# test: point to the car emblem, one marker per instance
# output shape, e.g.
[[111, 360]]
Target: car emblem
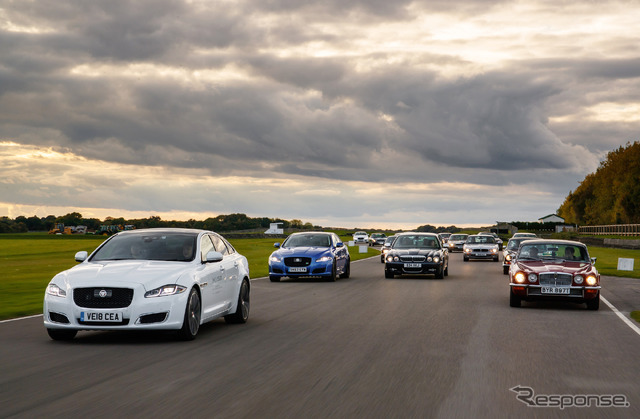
[[297, 260], [102, 293]]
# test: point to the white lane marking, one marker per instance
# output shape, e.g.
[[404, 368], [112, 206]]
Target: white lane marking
[[622, 316], [20, 318]]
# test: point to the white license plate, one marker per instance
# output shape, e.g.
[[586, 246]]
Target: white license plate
[[297, 269], [101, 316], [413, 265], [555, 290]]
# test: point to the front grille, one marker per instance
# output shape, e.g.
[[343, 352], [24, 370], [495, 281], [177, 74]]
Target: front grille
[[153, 318], [297, 261], [122, 323], [115, 297], [555, 279], [58, 318], [413, 258]]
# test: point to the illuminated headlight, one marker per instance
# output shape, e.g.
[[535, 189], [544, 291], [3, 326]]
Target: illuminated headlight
[[275, 258], [55, 290], [519, 278], [436, 259], [467, 250], [578, 279], [508, 257], [494, 250], [591, 280], [165, 290], [533, 277], [324, 259]]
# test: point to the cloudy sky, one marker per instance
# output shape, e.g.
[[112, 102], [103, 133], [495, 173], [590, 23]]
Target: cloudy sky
[[370, 113]]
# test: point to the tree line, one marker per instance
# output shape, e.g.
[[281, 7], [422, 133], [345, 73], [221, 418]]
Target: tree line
[[611, 195], [221, 223]]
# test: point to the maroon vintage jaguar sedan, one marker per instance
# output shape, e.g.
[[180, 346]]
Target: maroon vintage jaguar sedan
[[554, 269]]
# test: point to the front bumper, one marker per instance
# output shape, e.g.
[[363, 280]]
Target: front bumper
[[159, 313], [314, 269], [426, 268], [534, 292], [481, 255]]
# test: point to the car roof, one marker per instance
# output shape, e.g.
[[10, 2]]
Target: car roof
[[166, 230], [554, 241]]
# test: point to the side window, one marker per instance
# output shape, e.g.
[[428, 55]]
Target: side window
[[219, 245], [205, 247], [231, 249]]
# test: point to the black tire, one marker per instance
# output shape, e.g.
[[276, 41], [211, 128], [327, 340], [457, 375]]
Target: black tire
[[514, 300], [62, 334], [244, 304], [465, 258], [496, 259], [594, 303], [347, 270], [505, 270], [192, 315], [273, 278], [440, 274], [446, 270], [334, 275], [388, 274]]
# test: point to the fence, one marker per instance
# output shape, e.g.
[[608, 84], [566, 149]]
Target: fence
[[614, 229]]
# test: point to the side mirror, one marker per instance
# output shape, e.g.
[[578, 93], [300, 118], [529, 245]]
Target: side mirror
[[276, 245], [593, 261], [81, 256], [339, 244], [213, 256]]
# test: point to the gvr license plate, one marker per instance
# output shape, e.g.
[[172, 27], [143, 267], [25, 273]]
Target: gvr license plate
[[100, 316]]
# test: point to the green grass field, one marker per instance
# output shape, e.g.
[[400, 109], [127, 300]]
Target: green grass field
[[29, 261]]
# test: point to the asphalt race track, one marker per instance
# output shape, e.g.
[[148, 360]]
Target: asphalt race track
[[365, 347]]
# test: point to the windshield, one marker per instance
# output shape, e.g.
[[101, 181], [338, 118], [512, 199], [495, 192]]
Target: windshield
[[481, 240], [149, 246], [308, 240], [554, 251], [458, 237], [514, 244], [416, 242]]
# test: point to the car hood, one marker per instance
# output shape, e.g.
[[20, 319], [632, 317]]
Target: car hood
[[412, 252], [301, 251], [150, 274], [547, 266]]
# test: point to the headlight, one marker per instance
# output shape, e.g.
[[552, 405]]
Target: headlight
[[519, 278], [275, 258], [324, 259], [429, 259], [578, 279], [494, 250], [467, 250], [591, 280], [533, 277], [508, 257], [436, 259], [165, 290], [55, 290]]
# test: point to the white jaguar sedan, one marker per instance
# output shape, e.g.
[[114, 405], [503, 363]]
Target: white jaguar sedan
[[151, 279]]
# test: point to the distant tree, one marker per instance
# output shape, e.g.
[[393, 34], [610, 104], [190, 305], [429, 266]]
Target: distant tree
[[611, 194]]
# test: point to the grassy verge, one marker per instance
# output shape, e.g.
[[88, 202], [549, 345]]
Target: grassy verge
[[29, 261], [635, 315], [607, 263]]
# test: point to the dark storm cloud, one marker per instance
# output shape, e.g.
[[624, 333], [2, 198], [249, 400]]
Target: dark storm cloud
[[320, 117]]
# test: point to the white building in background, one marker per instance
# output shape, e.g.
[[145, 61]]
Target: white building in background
[[275, 228], [551, 218]]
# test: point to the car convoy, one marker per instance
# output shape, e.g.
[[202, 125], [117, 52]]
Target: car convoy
[[177, 279]]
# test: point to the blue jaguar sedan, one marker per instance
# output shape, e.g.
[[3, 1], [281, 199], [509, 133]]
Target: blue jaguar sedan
[[310, 254]]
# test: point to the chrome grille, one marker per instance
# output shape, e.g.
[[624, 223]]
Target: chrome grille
[[413, 258], [556, 279]]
